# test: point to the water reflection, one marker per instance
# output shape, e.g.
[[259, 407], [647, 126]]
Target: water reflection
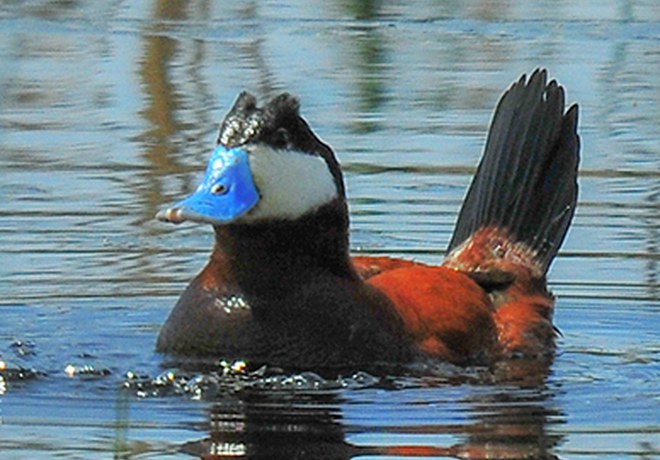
[[160, 153], [500, 422], [623, 78], [652, 223], [272, 425], [368, 56], [266, 80]]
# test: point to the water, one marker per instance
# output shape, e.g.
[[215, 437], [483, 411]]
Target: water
[[108, 110]]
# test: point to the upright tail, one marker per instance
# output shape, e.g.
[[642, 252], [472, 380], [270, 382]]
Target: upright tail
[[526, 182]]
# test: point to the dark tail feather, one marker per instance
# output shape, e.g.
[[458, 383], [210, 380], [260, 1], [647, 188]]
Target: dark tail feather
[[526, 182]]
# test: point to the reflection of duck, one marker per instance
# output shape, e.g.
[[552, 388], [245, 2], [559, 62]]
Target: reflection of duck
[[273, 423], [281, 287]]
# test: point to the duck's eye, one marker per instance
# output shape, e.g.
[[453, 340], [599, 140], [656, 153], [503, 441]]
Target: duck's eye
[[219, 189]]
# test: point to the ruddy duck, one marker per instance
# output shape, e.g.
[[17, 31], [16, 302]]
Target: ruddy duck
[[281, 287]]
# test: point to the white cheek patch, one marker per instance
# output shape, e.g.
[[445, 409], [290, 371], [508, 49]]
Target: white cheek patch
[[290, 183]]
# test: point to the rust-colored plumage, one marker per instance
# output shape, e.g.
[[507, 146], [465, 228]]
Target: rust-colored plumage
[[287, 292]]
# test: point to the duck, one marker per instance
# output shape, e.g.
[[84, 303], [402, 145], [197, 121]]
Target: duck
[[282, 288]]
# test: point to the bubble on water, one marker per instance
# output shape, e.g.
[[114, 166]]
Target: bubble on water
[[23, 348], [86, 370], [232, 377], [9, 373]]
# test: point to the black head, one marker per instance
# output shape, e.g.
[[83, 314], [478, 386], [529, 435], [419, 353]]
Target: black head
[[277, 124], [268, 165]]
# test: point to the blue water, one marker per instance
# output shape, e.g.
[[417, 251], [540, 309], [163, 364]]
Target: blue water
[[109, 110]]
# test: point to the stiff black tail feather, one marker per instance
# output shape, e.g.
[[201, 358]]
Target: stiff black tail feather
[[526, 181]]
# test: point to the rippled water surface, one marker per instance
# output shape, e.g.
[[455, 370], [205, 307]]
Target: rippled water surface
[[108, 110]]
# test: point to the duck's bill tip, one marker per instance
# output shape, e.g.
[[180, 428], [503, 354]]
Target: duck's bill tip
[[171, 215]]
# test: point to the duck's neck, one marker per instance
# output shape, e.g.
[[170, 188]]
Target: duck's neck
[[269, 259]]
